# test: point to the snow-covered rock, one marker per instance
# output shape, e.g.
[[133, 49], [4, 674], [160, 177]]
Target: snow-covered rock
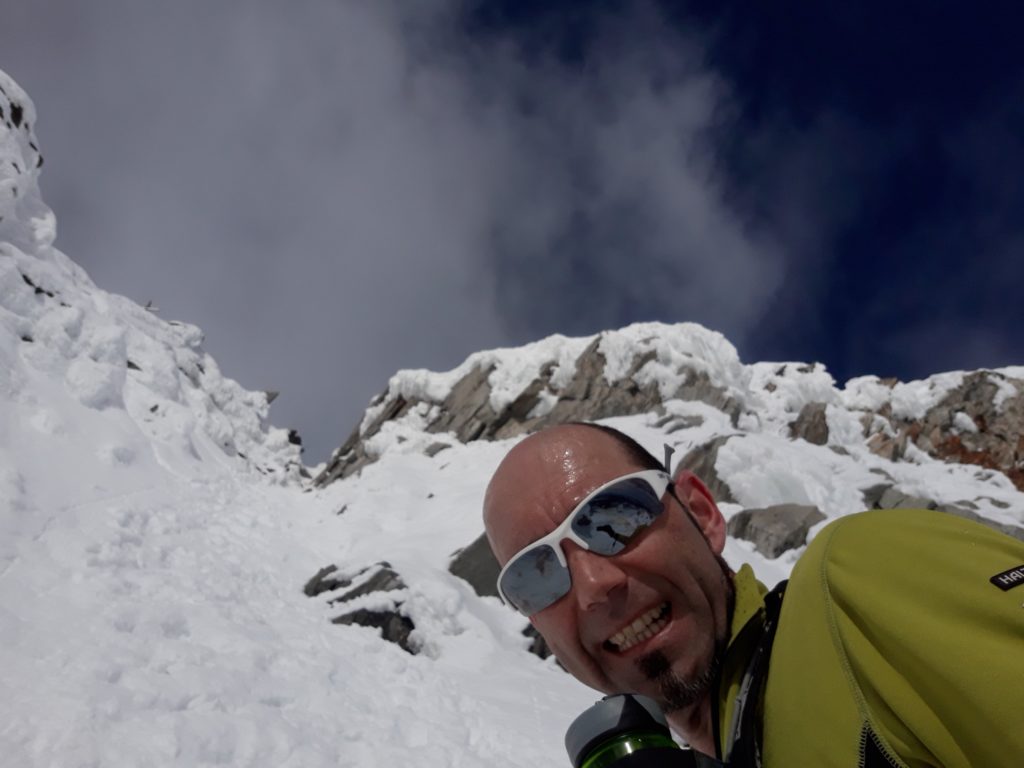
[[77, 362], [509, 392], [974, 418]]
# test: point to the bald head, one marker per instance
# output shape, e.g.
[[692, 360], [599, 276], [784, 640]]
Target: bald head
[[545, 475]]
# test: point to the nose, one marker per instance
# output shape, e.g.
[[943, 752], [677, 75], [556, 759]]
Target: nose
[[595, 579]]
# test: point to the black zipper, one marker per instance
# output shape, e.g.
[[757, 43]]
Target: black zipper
[[873, 754]]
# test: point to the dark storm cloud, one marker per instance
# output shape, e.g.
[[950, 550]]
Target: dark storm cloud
[[335, 190]]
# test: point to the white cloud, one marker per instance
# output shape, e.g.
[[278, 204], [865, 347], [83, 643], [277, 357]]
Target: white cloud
[[334, 190]]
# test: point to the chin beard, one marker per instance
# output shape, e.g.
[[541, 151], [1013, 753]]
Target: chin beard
[[678, 692]]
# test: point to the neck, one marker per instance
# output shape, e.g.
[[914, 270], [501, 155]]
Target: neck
[[695, 726]]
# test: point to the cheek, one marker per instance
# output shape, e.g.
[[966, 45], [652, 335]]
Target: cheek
[[562, 638], [558, 633]]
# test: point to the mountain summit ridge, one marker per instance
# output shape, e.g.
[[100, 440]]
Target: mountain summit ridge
[[970, 417]]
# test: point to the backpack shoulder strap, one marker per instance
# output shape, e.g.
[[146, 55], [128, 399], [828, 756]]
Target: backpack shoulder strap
[[745, 751]]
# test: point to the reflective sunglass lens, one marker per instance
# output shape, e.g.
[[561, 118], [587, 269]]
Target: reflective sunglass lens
[[535, 580], [609, 521]]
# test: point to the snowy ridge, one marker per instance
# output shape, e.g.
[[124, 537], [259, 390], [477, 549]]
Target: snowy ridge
[[511, 370], [502, 393], [105, 357]]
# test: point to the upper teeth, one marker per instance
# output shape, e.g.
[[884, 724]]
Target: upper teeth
[[643, 627]]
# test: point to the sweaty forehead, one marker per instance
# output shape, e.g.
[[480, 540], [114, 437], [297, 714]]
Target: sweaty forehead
[[542, 479]]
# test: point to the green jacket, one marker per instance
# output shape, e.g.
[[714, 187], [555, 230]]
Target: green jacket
[[894, 648]]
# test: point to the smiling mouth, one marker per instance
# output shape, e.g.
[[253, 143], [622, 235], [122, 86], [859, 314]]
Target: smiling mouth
[[642, 628]]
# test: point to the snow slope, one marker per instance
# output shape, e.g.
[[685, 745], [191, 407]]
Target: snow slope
[[155, 536]]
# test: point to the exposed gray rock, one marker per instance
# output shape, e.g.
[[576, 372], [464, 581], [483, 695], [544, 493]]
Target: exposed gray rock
[[466, 410], [477, 565], [538, 645], [384, 579], [873, 495], [1015, 531], [674, 423], [776, 529], [395, 626], [321, 582], [701, 461], [980, 422], [435, 448], [997, 443], [895, 499], [811, 424], [352, 456], [885, 496]]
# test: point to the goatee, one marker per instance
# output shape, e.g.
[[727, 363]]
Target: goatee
[[678, 692]]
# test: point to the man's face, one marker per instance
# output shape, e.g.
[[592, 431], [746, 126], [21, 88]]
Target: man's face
[[656, 611]]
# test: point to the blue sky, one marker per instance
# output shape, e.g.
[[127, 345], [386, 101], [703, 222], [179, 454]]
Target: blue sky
[[335, 189], [878, 146]]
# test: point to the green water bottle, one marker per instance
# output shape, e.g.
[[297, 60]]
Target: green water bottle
[[624, 731]]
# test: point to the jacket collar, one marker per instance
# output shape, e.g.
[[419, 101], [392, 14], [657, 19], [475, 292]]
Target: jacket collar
[[745, 629]]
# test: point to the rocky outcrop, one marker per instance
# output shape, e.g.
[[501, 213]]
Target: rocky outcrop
[[395, 626], [811, 425], [477, 565], [701, 461], [886, 496], [975, 418], [776, 529], [468, 412], [980, 422]]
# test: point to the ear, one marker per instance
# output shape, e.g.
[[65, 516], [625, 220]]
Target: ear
[[702, 507]]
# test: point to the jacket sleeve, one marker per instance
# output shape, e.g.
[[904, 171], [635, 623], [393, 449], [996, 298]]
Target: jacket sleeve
[[932, 648]]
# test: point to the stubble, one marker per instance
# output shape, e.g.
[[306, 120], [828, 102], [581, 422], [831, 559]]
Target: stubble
[[677, 691]]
